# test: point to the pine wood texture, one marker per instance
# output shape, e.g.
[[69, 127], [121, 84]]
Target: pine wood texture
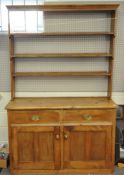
[[35, 148], [61, 55], [35, 117], [96, 115], [43, 133], [62, 134], [56, 74], [61, 103], [12, 66], [26, 34], [67, 7], [64, 171], [112, 49], [111, 8], [84, 140]]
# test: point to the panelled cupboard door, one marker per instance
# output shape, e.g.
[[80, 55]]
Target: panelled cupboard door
[[36, 147], [87, 147]]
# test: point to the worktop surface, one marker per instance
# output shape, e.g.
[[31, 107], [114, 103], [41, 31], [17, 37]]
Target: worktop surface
[[60, 103]]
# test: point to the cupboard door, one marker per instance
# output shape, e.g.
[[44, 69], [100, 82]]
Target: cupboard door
[[87, 147], [36, 147]]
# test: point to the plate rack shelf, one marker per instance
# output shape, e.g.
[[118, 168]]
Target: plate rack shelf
[[109, 8]]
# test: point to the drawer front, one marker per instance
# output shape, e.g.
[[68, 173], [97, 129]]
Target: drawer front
[[32, 117], [88, 115]]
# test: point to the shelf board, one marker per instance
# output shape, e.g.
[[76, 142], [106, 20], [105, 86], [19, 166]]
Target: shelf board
[[61, 55], [62, 34], [64, 7], [56, 74]]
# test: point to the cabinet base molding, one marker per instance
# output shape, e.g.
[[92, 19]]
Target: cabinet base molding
[[72, 171]]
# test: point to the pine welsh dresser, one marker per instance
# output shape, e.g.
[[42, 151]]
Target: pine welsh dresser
[[62, 134]]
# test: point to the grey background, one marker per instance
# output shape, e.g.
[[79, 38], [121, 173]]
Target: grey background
[[66, 22]]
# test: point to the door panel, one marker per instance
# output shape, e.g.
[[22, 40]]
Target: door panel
[[46, 149], [98, 142], [87, 147], [25, 142], [36, 147], [79, 142]]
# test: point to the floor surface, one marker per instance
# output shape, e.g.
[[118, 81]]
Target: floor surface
[[118, 171]]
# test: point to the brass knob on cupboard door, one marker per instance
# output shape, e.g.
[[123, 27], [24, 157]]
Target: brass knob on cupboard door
[[57, 136], [65, 136]]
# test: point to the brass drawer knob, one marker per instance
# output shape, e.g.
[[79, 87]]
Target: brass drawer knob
[[65, 136], [57, 136], [87, 117], [35, 118]]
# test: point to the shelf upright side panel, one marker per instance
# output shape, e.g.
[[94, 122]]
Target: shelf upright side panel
[[12, 61], [12, 67], [112, 49]]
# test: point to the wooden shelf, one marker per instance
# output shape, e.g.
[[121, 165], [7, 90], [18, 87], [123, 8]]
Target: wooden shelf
[[39, 74], [62, 34], [64, 7], [61, 55], [59, 9]]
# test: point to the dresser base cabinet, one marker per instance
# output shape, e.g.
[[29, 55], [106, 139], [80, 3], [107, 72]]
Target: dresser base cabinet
[[61, 135]]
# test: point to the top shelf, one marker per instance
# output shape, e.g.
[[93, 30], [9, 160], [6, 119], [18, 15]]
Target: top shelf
[[64, 7]]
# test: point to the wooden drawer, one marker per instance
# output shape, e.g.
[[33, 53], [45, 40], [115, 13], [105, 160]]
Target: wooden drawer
[[25, 117], [88, 115]]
